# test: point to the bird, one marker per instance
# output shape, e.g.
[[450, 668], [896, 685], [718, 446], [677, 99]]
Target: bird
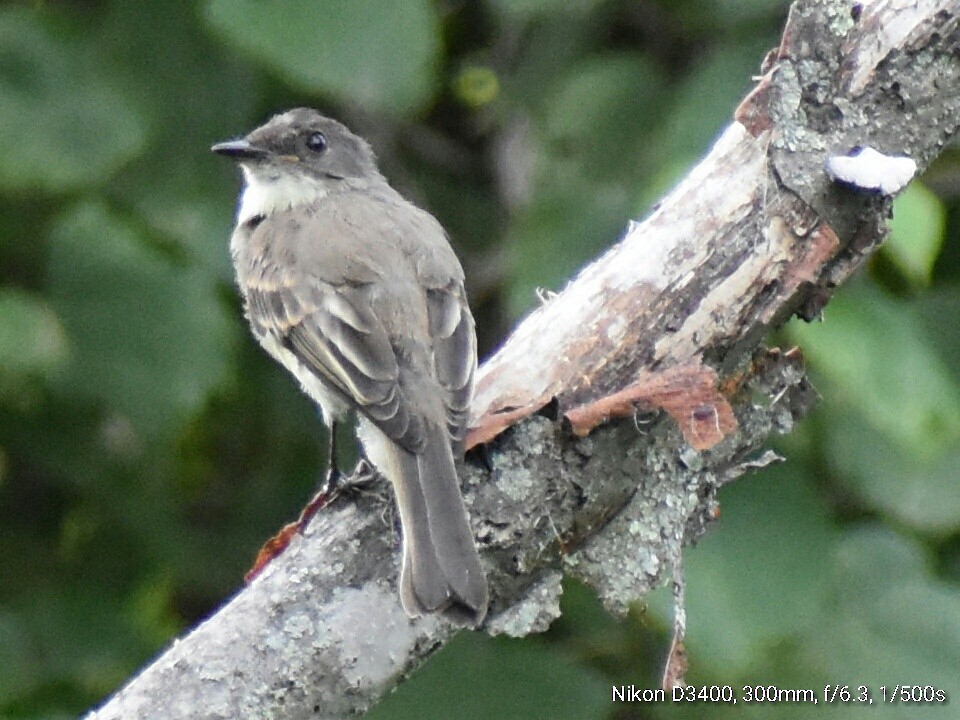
[[357, 292]]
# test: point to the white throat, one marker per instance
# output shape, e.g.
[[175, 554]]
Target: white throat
[[264, 196]]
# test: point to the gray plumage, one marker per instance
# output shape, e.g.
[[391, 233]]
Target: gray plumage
[[358, 293]]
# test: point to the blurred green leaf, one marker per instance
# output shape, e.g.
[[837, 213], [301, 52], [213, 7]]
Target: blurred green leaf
[[521, 10], [758, 578], [373, 53], [920, 491], [589, 149], [556, 234], [705, 100], [65, 123], [32, 340], [482, 678], [599, 111], [916, 233], [476, 86], [548, 46], [733, 13], [890, 621], [18, 658], [80, 638], [878, 360], [151, 610], [701, 106], [185, 192], [150, 338], [725, 22], [937, 311]]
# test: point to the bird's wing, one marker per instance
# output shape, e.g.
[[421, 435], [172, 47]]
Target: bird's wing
[[454, 343], [333, 332], [355, 299]]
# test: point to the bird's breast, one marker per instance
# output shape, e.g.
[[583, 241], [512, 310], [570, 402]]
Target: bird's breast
[[265, 195]]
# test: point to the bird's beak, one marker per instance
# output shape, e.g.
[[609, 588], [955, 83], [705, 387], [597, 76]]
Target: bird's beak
[[241, 149]]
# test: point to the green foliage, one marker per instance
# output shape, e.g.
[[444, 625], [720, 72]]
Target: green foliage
[[381, 54], [147, 446], [100, 271], [54, 140], [880, 360], [916, 233], [777, 535], [913, 623], [785, 597], [917, 488], [33, 344], [518, 679]]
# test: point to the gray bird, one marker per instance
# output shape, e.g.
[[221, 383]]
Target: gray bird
[[357, 292]]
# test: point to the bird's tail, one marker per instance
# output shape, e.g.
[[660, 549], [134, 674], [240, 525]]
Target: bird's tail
[[441, 566]]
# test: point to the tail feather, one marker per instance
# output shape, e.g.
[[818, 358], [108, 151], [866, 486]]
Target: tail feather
[[450, 534], [440, 561], [422, 587]]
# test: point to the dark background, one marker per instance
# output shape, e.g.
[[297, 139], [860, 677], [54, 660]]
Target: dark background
[[148, 446]]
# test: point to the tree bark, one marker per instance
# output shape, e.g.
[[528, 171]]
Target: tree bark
[[617, 408]]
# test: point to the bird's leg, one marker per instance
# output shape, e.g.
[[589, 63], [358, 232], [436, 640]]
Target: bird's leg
[[333, 477], [329, 487]]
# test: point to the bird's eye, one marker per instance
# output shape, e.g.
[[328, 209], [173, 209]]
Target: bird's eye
[[316, 142]]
